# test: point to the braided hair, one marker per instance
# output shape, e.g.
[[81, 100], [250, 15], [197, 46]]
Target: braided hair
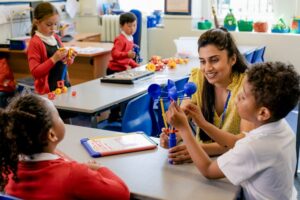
[[24, 127]]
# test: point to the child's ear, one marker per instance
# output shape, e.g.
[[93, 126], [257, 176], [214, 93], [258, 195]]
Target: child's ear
[[264, 114], [232, 60], [52, 136]]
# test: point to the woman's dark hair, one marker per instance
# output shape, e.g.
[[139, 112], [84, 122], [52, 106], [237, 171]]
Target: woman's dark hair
[[127, 17], [275, 85], [223, 40], [41, 12], [24, 127]]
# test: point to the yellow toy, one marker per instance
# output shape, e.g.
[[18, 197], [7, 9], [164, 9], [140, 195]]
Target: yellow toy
[[151, 67], [57, 91]]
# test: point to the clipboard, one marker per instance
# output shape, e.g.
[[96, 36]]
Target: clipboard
[[117, 144]]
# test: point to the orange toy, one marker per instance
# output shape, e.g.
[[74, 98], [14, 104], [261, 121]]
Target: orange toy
[[64, 89]]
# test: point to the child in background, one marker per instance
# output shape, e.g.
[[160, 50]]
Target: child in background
[[122, 52], [46, 59], [7, 83], [29, 167], [263, 162]]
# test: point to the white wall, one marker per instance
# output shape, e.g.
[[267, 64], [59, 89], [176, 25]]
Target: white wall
[[280, 47]]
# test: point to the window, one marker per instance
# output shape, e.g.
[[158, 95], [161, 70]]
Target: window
[[246, 9], [145, 6]]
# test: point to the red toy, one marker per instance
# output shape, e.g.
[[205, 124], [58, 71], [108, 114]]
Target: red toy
[[61, 84], [73, 93], [51, 95]]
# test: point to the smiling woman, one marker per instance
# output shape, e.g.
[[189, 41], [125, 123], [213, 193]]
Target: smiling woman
[[218, 80]]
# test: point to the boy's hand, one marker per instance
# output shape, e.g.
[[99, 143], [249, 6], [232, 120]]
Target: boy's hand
[[131, 54], [128, 67], [176, 117], [60, 54], [93, 165]]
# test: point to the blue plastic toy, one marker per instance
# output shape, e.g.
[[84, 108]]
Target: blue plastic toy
[[165, 97], [137, 51]]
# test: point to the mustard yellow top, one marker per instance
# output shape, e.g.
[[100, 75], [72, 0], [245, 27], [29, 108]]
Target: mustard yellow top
[[232, 120]]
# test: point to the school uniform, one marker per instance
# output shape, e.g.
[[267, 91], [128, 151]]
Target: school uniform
[[48, 176], [45, 72], [263, 162], [122, 45]]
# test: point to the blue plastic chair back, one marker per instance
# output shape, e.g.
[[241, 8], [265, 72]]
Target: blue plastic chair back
[[249, 56], [138, 33], [258, 56], [7, 197], [138, 115]]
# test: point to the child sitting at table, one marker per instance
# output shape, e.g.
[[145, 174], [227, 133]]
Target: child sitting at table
[[45, 54], [263, 162], [30, 131], [122, 52]]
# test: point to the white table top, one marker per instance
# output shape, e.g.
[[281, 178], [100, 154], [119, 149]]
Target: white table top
[[94, 96], [148, 173]]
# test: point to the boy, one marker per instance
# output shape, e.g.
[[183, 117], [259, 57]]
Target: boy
[[122, 52], [263, 162]]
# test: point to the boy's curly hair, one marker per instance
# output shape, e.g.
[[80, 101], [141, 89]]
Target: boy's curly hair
[[275, 85]]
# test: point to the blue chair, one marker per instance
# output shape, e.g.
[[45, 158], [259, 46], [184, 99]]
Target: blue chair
[[249, 56], [7, 197], [258, 56], [138, 116], [138, 32]]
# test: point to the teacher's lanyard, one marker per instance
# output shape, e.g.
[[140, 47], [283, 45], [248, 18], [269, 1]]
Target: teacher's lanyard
[[225, 109]]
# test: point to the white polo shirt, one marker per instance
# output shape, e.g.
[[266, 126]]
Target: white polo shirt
[[263, 162]]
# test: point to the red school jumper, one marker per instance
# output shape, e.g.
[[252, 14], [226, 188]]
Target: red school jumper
[[119, 54], [62, 180]]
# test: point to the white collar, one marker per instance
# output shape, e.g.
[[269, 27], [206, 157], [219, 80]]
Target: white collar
[[38, 157], [128, 37], [269, 128], [50, 40]]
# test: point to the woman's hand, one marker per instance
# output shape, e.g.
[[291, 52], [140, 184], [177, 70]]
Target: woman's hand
[[179, 155], [93, 165], [164, 138], [60, 54], [195, 113]]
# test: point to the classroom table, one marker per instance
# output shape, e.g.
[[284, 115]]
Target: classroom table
[[87, 65], [93, 96], [148, 173]]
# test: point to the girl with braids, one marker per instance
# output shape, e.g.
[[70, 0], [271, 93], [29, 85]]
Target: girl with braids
[[218, 81], [45, 56], [30, 131]]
